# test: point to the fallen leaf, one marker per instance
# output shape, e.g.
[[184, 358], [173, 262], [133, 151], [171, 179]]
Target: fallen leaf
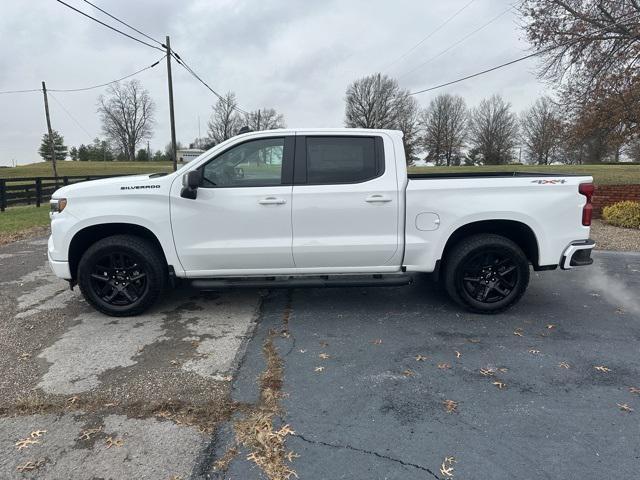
[[38, 433], [446, 468], [487, 372], [458, 354], [634, 390], [550, 326], [602, 368], [195, 343], [285, 333], [25, 356], [31, 465], [319, 369], [500, 384], [377, 341], [473, 340], [408, 373], [624, 407], [503, 370], [533, 351], [88, 433], [114, 442], [420, 358], [291, 456], [620, 311], [324, 356], [284, 431], [73, 400], [22, 444], [450, 406], [444, 366], [302, 351], [564, 365], [323, 343], [174, 362], [226, 378], [518, 332]]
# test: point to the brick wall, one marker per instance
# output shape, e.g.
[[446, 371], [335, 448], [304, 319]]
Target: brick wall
[[608, 194]]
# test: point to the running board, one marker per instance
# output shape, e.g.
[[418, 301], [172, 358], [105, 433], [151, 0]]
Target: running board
[[394, 280]]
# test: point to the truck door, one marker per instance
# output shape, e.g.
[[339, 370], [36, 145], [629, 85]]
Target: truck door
[[240, 222], [345, 203]]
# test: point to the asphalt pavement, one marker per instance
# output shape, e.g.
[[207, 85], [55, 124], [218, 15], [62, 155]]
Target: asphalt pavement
[[399, 383]]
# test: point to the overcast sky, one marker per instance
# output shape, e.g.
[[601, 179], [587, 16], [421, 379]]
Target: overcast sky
[[295, 56]]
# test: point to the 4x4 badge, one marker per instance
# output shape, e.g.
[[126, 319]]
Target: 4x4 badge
[[548, 182]]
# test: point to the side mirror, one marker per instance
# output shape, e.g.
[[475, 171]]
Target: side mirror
[[191, 182]]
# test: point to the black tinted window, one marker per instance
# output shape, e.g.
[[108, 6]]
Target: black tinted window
[[340, 159]]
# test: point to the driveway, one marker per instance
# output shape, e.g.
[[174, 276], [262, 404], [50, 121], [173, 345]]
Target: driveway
[[83, 395], [398, 383], [335, 383]]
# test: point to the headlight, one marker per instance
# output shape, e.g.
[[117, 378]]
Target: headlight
[[58, 204]]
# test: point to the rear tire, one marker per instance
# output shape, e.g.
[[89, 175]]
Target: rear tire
[[486, 273], [122, 275]]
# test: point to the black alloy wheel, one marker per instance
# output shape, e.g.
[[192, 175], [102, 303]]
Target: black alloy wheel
[[122, 275], [486, 273]]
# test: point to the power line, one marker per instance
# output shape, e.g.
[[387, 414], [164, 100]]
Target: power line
[[480, 73], [109, 26], [93, 87], [124, 23], [451, 47], [69, 113], [195, 75], [21, 91], [431, 34]]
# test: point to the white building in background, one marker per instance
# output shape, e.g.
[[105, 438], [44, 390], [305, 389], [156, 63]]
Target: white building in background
[[185, 155]]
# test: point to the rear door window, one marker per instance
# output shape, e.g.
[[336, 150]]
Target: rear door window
[[332, 160]]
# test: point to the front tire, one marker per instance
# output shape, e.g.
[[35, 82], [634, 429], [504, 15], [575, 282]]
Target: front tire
[[486, 273], [122, 275]]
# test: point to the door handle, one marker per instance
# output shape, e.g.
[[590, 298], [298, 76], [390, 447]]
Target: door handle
[[377, 199], [272, 201]]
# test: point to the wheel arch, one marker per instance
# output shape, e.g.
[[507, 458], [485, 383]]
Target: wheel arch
[[518, 232], [87, 236]]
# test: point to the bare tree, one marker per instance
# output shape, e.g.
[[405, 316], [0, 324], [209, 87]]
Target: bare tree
[[494, 130], [264, 119], [542, 131], [376, 101], [127, 115], [591, 50], [225, 120], [372, 102], [444, 125]]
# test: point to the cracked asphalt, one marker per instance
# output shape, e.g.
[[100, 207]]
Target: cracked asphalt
[[366, 375], [396, 354], [102, 397]]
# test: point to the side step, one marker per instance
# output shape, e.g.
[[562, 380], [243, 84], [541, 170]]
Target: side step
[[393, 280]]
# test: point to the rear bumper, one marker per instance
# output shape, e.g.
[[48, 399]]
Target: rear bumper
[[578, 254]]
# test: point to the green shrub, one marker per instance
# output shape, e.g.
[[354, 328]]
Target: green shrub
[[623, 214]]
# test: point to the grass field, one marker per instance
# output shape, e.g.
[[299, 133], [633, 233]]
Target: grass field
[[16, 221], [617, 174], [603, 174], [43, 169]]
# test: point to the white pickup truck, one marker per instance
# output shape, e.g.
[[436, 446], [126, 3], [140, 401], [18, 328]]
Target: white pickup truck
[[293, 208]]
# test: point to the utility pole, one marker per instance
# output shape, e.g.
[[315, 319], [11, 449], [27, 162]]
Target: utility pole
[[171, 115], [258, 119], [51, 144]]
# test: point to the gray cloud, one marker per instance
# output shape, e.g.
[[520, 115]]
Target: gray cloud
[[297, 57]]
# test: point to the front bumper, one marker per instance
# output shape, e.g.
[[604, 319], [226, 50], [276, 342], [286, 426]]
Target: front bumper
[[59, 269], [578, 254]]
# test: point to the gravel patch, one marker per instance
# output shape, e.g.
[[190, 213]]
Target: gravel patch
[[608, 237]]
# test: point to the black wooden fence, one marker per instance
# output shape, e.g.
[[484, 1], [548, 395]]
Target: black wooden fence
[[36, 190]]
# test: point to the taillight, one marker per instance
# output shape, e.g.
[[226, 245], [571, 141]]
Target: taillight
[[587, 190]]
